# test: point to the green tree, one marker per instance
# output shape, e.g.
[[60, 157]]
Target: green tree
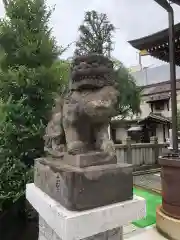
[[62, 70], [27, 78], [95, 34], [30, 76], [129, 93]]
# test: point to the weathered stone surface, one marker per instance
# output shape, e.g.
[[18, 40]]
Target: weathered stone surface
[[91, 71], [89, 159], [80, 120], [92, 82], [82, 172], [84, 188]]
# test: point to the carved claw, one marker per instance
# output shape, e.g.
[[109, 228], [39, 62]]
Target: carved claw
[[77, 147]]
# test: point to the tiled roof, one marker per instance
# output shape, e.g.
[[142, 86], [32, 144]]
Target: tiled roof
[[152, 116], [158, 97], [157, 44], [158, 117], [164, 87]]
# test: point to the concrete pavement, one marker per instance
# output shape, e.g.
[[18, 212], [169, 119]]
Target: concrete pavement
[[149, 233], [150, 182]]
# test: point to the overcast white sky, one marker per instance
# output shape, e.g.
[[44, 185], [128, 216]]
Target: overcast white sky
[[133, 18]]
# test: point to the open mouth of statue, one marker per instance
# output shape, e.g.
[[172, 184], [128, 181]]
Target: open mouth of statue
[[100, 104]]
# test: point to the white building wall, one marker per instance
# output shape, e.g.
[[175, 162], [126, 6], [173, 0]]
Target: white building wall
[[153, 75], [145, 108], [159, 133]]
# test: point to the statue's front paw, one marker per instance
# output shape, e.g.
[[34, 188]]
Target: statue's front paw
[[77, 147], [108, 146]]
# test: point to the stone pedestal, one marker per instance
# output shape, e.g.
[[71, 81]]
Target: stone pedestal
[[82, 188], [103, 223]]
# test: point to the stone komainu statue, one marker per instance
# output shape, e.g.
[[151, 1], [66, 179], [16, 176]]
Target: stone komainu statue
[[80, 120]]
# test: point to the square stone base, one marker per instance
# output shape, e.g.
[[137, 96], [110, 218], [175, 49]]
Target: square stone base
[[56, 222], [47, 233], [84, 188]]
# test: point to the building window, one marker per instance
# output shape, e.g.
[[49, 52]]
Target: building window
[[159, 105]]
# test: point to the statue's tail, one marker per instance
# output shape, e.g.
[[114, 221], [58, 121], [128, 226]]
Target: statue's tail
[[54, 136]]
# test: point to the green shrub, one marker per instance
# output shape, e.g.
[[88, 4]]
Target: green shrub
[[28, 83], [14, 176], [27, 78]]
